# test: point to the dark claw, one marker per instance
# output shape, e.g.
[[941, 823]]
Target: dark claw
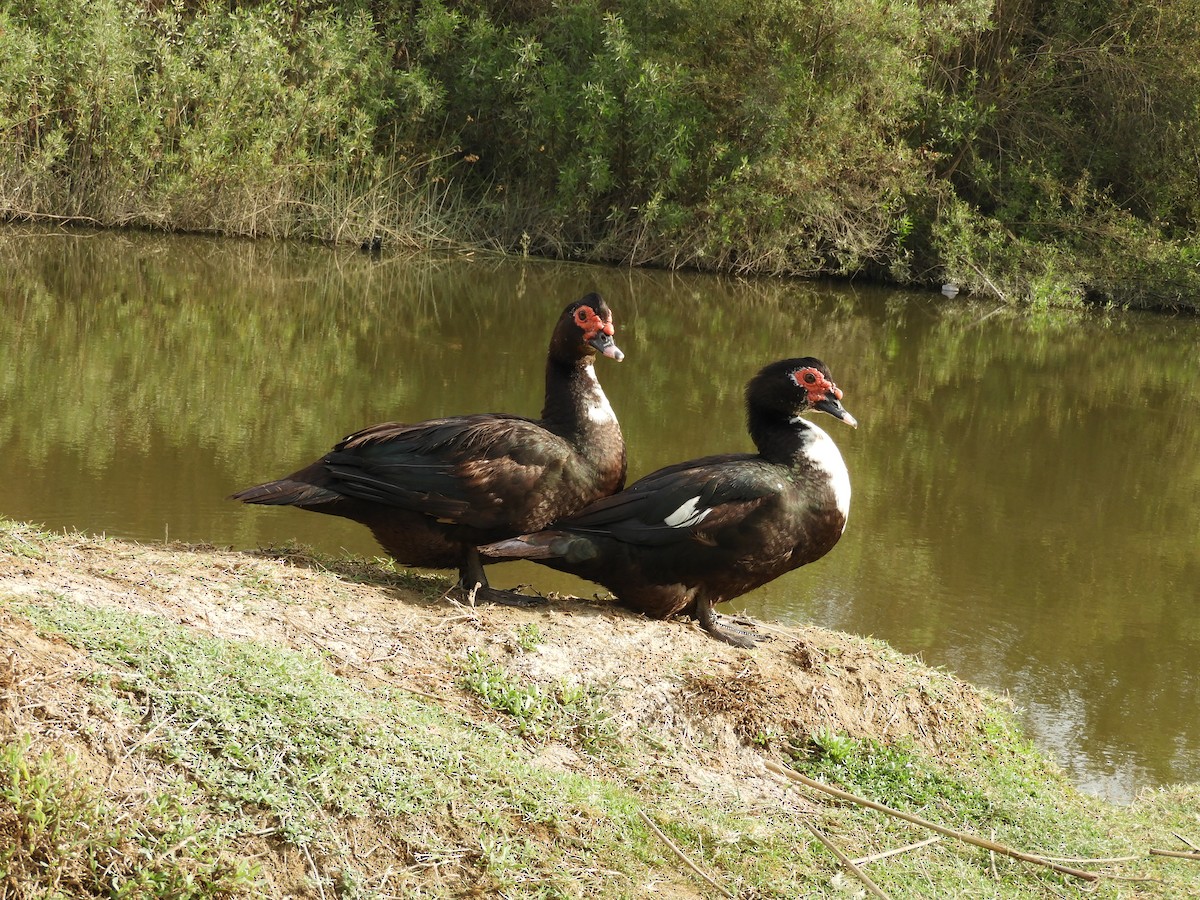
[[487, 594]]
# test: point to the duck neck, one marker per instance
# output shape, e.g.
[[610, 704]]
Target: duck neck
[[576, 407], [777, 438]]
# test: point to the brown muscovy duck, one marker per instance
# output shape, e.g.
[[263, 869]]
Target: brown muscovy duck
[[701, 532], [432, 492]]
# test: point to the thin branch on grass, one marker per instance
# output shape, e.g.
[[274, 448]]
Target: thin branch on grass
[[316, 873], [683, 857], [846, 861], [932, 826], [136, 745], [1177, 854], [896, 851], [1093, 861], [1186, 841]]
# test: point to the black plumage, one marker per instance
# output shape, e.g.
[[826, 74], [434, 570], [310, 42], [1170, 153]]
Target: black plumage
[[431, 492], [704, 531]]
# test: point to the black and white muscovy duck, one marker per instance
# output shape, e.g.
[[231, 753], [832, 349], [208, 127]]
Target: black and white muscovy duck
[[701, 532], [432, 492]]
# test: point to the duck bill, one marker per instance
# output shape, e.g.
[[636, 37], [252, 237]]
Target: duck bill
[[606, 346], [834, 408]]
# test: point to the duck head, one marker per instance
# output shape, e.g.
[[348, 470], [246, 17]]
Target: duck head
[[586, 328], [790, 387]]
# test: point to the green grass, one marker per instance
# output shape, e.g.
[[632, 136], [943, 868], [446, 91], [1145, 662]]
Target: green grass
[[570, 712], [20, 539], [270, 734], [60, 836]]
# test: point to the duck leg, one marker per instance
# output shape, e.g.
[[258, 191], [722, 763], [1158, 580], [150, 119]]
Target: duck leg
[[473, 586], [709, 622]]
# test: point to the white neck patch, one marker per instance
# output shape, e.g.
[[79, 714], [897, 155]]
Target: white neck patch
[[599, 410], [824, 455]]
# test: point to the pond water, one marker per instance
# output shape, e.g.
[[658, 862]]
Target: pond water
[[1026, 502]]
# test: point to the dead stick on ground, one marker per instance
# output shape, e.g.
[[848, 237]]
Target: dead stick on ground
[[1186, 841], [1178, 854], [932, 826], [896, 851], [847, 862], [683, 856], [1094, 860]]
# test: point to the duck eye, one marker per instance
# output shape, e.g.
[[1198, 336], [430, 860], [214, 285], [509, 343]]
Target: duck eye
[[810, 378], [583, 314]]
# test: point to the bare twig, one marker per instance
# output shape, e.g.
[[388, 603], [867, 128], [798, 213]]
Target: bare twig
[[316, 873], [1093, 861], [133, 748], [987, 316], [1178, 854], [1186, 841], [990, 283], [846, 861], [896, 851], [351, 664], [932, 826], [674, 849]]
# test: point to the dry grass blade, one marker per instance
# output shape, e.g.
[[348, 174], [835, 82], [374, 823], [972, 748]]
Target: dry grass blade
[[932, 826], [683, 856], [847, 862]]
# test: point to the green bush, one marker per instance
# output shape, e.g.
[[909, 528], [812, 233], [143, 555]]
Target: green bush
[[1028, 151]]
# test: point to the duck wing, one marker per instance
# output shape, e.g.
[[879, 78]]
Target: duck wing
[[692, 501], [482, 471]]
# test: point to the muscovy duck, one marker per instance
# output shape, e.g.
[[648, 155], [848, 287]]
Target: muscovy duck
[[432, 492], [701, 532]]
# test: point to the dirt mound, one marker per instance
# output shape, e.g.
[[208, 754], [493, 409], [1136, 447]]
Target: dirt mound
[[667, 677], [719, 708]]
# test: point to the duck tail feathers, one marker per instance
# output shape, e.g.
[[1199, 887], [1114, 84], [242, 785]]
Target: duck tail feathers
[[572, 548], [286, 492], [525, 546]]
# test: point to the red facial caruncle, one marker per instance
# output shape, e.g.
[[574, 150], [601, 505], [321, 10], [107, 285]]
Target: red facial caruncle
[[592, 325], [816, 384]]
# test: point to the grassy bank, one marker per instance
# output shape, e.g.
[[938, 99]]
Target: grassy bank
[[191, 722], [1032, 152]]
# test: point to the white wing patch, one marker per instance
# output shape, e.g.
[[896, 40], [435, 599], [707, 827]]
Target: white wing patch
[[687, 515]]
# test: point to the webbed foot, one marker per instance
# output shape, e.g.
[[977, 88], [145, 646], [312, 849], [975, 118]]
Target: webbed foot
[[738, 637], [485, 593], [473, 587]]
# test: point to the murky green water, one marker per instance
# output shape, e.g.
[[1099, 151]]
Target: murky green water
[[1026, 502]]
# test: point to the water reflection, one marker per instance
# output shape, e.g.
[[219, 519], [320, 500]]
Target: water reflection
[[1025, 492]]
